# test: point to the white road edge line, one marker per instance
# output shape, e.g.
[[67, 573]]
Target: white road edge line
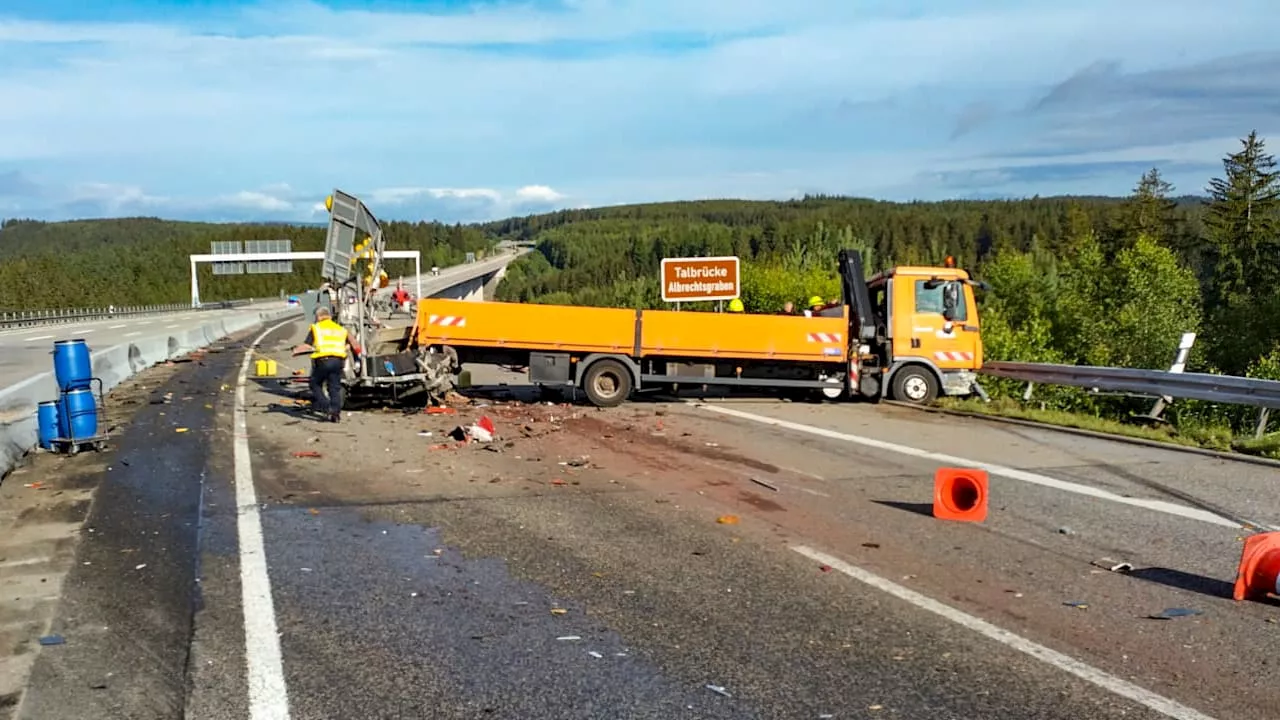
[[268, 695], [1082, 670], [1008, 472], [37, 337]]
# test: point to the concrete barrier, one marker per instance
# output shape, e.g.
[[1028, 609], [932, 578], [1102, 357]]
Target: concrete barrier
[[113, 366]]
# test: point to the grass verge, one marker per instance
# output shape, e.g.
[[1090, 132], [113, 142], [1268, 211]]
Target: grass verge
[[1211, 438]]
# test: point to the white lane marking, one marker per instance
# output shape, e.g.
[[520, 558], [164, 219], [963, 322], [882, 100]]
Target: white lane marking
[[1008, 472], [168, 327], [116, 327], [268, 695], [135, 332], [83, 332], [1082, 670], [37, 337]]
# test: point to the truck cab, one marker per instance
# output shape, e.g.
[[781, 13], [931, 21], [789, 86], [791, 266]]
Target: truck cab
[[927, 339]]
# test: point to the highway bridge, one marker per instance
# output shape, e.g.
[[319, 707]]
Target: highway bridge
[[712, 557]]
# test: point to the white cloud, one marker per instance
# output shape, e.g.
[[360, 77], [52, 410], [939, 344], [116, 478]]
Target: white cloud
[[208, 116]]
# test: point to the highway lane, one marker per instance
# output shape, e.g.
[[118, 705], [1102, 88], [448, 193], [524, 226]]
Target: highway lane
[[25, 351], [408, 578], [402, 579]]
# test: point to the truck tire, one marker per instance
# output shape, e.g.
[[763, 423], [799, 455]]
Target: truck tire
[[915, 384], [607, 383]]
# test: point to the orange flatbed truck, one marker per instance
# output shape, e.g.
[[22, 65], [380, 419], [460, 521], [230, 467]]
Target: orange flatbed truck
[[911, 333]]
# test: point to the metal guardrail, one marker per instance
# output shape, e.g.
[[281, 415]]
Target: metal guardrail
[[32, 318], [1225, 389]]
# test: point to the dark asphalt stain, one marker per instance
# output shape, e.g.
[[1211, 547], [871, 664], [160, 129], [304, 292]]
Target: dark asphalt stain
[[127, 601], [759, 502], [445, 636]]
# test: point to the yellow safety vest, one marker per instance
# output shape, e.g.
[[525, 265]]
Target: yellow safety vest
[[329, 339]]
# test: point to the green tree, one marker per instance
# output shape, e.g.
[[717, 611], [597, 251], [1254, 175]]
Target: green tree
[[1147, 212], [1243, 220]]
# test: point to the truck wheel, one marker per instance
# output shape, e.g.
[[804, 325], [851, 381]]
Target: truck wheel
[[837, 389], [607, 383], [915, 384]]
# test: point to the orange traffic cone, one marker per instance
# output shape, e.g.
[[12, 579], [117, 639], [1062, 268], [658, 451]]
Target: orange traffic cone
[[1259, 573], [960, 494]]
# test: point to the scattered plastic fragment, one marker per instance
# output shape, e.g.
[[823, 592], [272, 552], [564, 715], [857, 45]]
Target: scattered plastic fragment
[[558, 611], [180, 430], [53, 640], [313, 511], [307, 454], [727, 520], [1066, 531], [873, 546], [440, 411], [762, 483], [824, 568], [594, 654], [569, 638], [139, 567], [1077, 605], [1170, 613], [875, 707], [34, 485], [1122, 567], [719, 690]]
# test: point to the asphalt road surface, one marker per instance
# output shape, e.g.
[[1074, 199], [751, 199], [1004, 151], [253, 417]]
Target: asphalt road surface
[[732, 559]]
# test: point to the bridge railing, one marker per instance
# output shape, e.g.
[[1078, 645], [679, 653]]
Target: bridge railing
[[32, 318]]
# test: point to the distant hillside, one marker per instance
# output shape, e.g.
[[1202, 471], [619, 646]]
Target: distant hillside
[[143, 261]]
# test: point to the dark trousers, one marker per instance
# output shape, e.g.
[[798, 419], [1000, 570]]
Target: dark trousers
[[326, 372]]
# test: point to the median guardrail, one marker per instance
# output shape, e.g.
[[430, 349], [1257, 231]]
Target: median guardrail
[[1225, 389], [18, 425], [33, 318]]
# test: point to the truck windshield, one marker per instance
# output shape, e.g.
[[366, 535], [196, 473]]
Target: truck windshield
[[930, 300]]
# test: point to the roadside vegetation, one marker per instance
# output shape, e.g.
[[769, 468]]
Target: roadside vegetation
[[1075, 280], [143, 261]]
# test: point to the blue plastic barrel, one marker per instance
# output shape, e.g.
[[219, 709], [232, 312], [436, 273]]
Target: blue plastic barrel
[[72, 364], [78, 416], [47, 423]]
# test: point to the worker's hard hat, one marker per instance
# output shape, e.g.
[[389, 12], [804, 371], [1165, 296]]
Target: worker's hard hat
[[735, 305], [815, 301]]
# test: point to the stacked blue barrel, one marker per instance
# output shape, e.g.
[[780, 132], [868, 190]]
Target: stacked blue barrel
[[72, 418]]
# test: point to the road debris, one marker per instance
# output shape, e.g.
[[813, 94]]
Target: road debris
[[1171, 613], [307, 454], [569, 638], [558, 611], [1077, 605], [719, 690], [48, 640], [764, 484], [595, 654], [727, 520], [1112, 565]]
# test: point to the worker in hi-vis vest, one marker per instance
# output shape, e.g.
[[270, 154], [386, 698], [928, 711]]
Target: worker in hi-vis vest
[[329, 342]]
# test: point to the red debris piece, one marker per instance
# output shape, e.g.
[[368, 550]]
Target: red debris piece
[[307, 454]]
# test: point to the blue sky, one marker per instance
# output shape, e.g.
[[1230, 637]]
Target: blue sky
[[464, 111]]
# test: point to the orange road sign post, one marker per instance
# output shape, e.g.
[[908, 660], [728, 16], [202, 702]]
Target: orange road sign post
[[700, 279]]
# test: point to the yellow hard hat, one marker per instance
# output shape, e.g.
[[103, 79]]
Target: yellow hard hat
[[815, 300], [735, 305]]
